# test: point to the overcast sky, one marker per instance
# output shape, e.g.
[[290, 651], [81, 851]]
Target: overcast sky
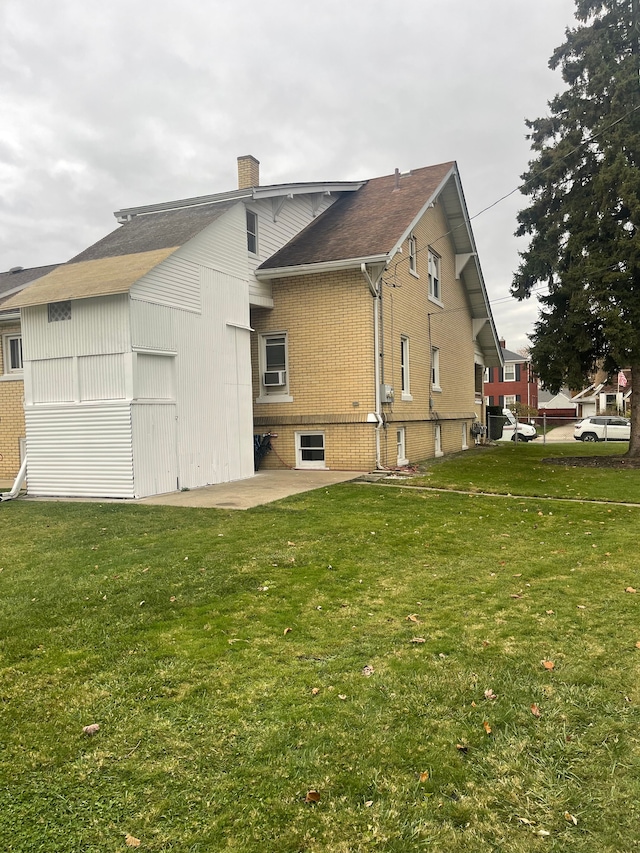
[[128, 102]]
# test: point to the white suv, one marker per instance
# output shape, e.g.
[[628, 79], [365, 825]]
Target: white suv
[[603, 428]]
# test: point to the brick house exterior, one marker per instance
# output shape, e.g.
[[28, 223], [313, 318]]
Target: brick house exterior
[[434, 329], [512, 383]]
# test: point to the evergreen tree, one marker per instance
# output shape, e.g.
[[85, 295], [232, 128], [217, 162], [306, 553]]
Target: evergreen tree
[[584, 215]]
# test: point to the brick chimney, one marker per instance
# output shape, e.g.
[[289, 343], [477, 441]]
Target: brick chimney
[[503, 343], [248, 172]]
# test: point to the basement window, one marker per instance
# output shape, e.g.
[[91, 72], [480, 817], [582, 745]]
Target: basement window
[[58, 311]]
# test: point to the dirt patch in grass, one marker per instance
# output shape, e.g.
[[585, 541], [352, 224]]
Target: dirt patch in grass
[[594, 461]]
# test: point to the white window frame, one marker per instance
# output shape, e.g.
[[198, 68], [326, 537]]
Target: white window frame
[[401, 446], [8, 368], [413, 256], [252, 231], [435, 369], [511, 368], [310, 463], [405, 375], [465, 436], [437, 440], [509, 400], [273, 393], [435, 281]]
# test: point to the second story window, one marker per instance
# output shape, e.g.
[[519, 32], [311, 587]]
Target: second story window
[[434, 276], [252, 232], [509, 373], [413, 255]]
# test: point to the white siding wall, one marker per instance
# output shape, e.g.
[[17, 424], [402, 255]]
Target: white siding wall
[[154, 448], [154, 377], [101, 377], [97, 325], [213, 386], [80, 451], [152, 326], [174, 282], [293, 216]]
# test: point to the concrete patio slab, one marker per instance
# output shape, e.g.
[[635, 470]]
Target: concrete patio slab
[[263, 488]]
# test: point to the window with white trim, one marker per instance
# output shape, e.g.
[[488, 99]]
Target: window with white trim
[[435, 369], [12, 353], [413, 255], [401, 446], [252, 232], [465, 440], [404, 368], [509, 373], [510, 400], [310, 450], [438, 440], [433, 264], [274, 374]]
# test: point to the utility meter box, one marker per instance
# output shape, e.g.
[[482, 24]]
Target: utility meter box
[[386, 394]]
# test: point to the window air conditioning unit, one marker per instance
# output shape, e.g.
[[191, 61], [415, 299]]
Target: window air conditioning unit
[[274, 378]]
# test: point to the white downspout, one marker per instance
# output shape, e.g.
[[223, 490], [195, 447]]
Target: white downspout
[[22, 473], [374, 287]]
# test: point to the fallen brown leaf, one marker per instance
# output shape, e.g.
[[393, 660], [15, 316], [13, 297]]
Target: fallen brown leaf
[[341, 696], [418, 640], [413, 617], [287, 631], [312, 797], [369, 803], [550, 612], [638, 645], [630, 589], [571, 818], [526, 821], [462, 747], [535, 710], [131, 841], [368, 670], [489, 694], [424, 776], [548, 664], [515, 595], [315, 691], [486, 727], [93, 729], [291, 543]]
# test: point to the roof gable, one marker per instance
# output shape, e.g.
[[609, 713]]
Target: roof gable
[[364, 224]]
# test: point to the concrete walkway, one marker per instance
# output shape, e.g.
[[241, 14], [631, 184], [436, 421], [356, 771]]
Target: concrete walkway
[[265, 487]]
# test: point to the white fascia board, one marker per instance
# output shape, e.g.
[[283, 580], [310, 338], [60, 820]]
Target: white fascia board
[[309, 188], [128, 212], [253, 193], [326, 266]]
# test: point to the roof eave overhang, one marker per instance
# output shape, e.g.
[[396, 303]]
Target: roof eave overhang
[[250, 193], [322, 267]]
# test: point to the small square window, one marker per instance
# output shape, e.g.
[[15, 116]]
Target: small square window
[[58, 311], [252, 232], [310, 450]]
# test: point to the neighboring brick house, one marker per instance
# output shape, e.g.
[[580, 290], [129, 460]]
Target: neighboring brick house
[[12, 427], [350, 318], [512, 383]]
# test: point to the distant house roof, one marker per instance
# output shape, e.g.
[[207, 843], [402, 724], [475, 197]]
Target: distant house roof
[[15, 280], [509, 356], [365, 224]]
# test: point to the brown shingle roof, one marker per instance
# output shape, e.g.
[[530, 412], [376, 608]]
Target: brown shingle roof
[[12, 281], [363, 224]]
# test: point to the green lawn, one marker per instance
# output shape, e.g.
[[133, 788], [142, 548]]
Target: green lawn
[[520, 470], [169, 628]]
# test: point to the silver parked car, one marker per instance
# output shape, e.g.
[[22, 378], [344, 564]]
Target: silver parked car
[[603, 428]]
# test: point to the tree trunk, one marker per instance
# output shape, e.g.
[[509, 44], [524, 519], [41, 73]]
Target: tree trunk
[[634, 443]]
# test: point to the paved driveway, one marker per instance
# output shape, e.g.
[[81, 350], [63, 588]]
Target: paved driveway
[[559, 433]]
